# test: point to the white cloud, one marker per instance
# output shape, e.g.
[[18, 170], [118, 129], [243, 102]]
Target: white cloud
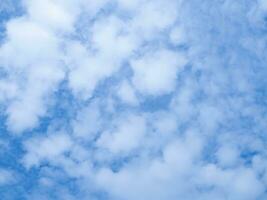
[[31, 59], [159, 178], [227, 156], [53, 14], [178, 36], [110, 45], [235, 184], [31, 101], [46, 148], [155, 73], [155, 16], [126, 137], [127, 94], [42, 45]]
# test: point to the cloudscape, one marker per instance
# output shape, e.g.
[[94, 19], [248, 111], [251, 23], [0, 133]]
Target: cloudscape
[[133, 99]]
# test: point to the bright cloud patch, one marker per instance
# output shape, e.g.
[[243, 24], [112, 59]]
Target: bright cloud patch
[[133, 100]]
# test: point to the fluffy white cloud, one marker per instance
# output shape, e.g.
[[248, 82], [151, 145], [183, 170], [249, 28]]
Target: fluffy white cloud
[[46, 148], [30, 103], [54, 14], [155, 73], [155, 16], [31, 59], [244, 184], [126, 137], [33, 45]]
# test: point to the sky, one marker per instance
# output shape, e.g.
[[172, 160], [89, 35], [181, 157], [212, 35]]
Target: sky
[[133, 99]]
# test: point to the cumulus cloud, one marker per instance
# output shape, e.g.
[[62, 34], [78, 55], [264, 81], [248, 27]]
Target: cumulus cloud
[[46, 148], [126, 137], [156, 74], [124, 99]]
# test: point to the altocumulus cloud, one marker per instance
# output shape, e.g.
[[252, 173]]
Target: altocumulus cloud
[[133, 99]]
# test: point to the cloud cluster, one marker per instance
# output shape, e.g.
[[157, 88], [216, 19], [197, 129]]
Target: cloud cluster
[[134, 99]]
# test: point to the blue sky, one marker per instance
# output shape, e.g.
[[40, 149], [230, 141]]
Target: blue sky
[[133, 100]]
